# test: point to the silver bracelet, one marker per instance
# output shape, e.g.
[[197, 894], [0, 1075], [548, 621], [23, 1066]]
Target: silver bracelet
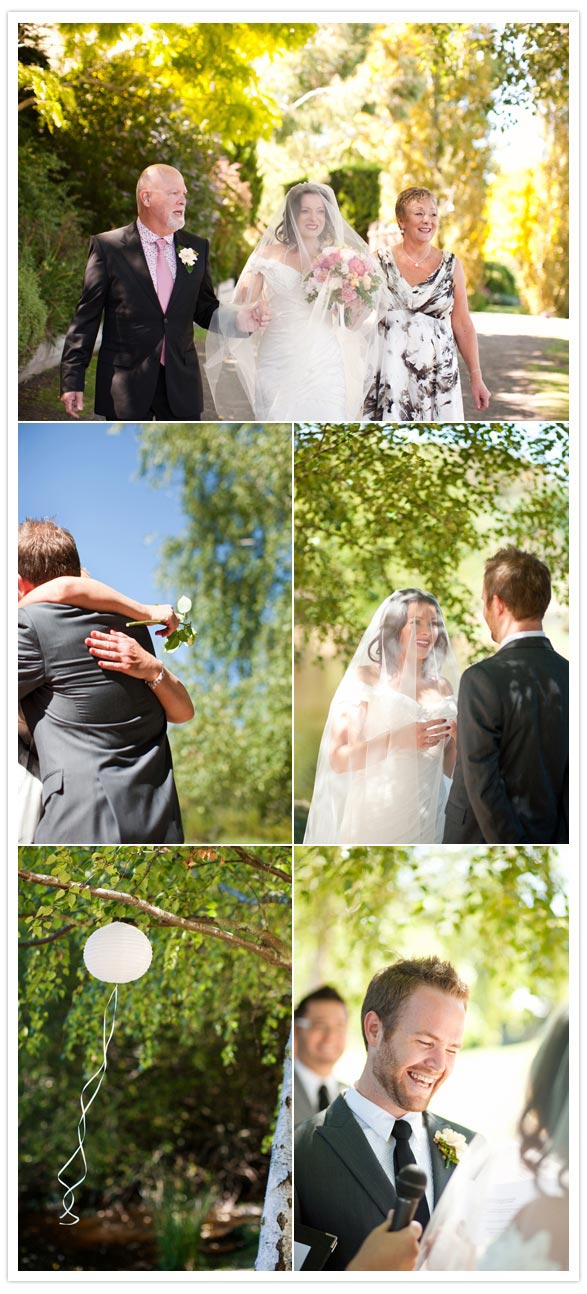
[[153, 683]]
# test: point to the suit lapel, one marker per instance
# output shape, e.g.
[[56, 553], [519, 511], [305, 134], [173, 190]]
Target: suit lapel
[[344, 1136], [441, 1172], [135, 256], [182, 274]]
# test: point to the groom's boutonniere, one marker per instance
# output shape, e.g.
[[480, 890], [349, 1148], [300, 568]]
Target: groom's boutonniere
[[451, 1145], [188, 257]]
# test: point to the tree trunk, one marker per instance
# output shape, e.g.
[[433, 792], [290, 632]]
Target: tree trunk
[[275, 1247]]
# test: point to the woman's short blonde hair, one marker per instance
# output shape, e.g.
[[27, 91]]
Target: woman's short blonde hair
[[410, 195]]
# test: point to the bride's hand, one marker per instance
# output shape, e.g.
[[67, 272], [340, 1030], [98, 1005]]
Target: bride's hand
[[255, 317], [421, 736], [165, 615], [118, 651]]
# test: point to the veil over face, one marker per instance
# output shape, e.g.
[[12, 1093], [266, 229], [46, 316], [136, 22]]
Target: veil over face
[[381, 776], [314, 360], [506, 1207]]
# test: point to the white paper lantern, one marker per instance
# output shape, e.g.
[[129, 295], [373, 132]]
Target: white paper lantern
[[118, 953]]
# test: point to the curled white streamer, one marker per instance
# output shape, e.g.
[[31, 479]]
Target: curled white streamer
[[68, 1218]]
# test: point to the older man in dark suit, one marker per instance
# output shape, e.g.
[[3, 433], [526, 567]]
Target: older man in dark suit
[[511, 779], [151, 284], [347, 1158]]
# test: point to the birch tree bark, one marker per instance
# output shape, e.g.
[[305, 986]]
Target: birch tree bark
[[275, 1247]]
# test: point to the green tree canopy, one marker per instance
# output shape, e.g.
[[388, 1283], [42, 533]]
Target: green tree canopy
[[379, 508], [233, 764], [500, 914], [194, 1064]]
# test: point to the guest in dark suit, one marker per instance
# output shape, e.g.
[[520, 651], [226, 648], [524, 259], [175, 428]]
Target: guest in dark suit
[[151, 284], [320, 1030], [347, 1158], [100, 732], [511, 779]]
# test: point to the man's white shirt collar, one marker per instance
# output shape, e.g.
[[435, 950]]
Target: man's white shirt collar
[[380, 1120], [313, 1082], [522, 633]]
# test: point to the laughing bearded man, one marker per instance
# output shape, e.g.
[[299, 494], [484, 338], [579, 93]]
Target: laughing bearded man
[[347, 1157]]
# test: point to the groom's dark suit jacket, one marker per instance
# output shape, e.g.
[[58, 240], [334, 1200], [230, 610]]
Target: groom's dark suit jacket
[[511, 780], [340, 1186], [100, 736], [118, 284]]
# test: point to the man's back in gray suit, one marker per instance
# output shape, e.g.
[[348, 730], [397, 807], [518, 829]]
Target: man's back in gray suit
[[100, 736]]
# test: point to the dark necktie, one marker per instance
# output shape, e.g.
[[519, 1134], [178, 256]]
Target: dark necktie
[[323, 1097], [402, 1155]]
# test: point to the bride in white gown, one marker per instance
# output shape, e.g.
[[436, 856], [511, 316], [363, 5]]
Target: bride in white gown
[[310, 362], [389, 746], [507, 1209]]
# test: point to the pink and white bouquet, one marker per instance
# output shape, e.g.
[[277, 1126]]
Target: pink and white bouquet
[[351, 280]]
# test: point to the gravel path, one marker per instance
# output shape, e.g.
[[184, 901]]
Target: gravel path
[[524, 360]]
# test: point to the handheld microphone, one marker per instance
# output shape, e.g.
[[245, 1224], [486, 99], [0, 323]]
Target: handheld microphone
[[409, 1187]]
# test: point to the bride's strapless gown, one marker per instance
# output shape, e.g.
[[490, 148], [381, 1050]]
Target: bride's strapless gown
[[401, 799], [300, 370]]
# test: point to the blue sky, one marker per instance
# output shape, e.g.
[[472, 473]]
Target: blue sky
[[85, 476]]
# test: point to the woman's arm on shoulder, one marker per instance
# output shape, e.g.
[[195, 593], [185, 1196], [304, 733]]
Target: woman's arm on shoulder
[[91, 595]]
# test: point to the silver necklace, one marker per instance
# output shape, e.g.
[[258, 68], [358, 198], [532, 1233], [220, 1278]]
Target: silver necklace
[[416, 263]]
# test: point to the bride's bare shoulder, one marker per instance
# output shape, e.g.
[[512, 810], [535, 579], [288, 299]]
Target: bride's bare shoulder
[[275, 251], [444, 687], [368, 674]]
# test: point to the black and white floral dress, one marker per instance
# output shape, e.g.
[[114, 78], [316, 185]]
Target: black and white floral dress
[[417, 371]]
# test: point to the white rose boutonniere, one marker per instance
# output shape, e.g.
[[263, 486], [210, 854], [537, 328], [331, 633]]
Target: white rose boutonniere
[[451, 1145], [188, 257]]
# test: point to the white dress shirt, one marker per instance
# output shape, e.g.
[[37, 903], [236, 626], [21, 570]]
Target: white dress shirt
[[377, 1125], [312, 1082], [522, 633]]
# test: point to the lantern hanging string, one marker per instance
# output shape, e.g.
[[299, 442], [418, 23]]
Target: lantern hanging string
[[68, 1218]]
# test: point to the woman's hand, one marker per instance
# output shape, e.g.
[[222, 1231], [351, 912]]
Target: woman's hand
[[118, 651], [388, 1251], [481, 395], [421, 736], [167, 616]]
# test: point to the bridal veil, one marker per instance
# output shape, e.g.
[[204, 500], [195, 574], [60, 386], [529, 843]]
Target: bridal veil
[[506, 1207], [382, 774], [313, 360]]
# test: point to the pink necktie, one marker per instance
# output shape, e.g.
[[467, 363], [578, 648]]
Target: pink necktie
[[164, 283]]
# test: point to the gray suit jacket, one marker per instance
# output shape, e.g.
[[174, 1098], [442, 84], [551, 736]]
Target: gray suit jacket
[[100, 737], [340, 1186], [302, 1106]]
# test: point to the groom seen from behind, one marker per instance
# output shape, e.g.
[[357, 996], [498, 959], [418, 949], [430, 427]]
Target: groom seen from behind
[[511, 779], [104, 757], [347, 1158], [151, 285]]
